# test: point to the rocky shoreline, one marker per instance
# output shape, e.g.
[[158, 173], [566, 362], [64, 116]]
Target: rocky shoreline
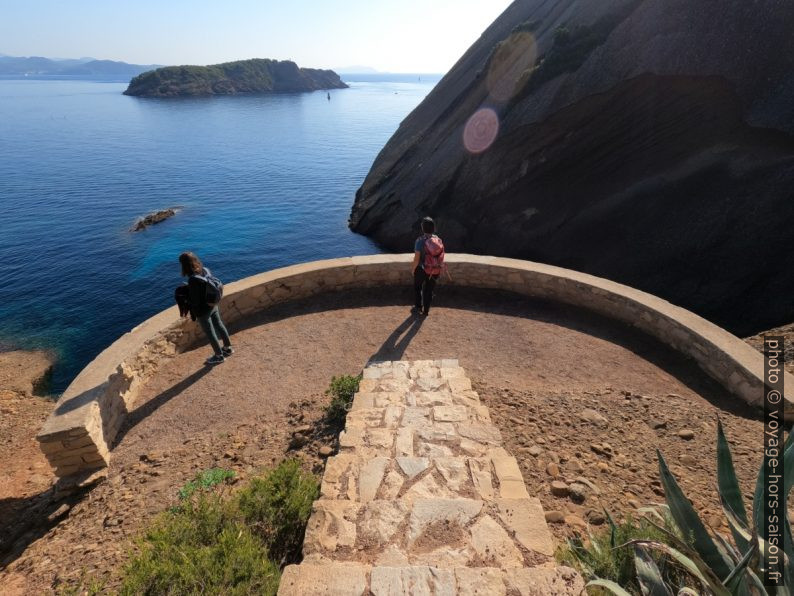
[[26, 493]]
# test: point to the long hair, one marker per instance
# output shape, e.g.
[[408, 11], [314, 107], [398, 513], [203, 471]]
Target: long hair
[[191, 264]]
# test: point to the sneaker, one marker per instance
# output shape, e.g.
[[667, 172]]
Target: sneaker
[[416, 310], [227, 351], [216, 359]]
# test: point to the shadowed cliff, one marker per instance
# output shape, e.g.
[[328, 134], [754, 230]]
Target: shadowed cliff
[[647, 141]]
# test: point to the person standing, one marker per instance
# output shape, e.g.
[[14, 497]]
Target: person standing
[[427, 266], [199, 308]]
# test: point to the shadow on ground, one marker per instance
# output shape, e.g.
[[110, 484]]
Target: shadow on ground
[[25, 520], [509, 304], [148, 408]]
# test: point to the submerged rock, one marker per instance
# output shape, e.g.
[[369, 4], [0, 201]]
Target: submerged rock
[[154, 218], [646, 141]]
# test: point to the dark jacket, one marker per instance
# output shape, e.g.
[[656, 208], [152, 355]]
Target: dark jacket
[[197, 295], [182, 299]]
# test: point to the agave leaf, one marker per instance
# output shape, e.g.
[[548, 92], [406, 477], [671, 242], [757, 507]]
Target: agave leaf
[[680, 545], [729, 491], [735, 581], [726, 476], [694, 565], [608, 585], [755, 582], [652, 511], [729, 548], [648, 575], [687, 519], [737, 526]]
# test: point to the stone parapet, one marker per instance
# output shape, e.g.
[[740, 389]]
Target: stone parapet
[[79, 433]]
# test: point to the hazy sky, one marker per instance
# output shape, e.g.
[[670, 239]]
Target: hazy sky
[[389, 35]]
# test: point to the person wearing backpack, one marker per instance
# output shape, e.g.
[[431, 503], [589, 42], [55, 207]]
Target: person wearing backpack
[[427, 266], [204, 293]]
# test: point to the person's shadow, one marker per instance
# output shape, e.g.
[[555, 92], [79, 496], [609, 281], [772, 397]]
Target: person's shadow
[[145, 410], [395, 345]]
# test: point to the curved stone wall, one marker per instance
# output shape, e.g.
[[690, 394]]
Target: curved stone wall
[[79, 433]]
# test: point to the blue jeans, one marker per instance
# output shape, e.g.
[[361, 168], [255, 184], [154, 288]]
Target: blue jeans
[[213, 326]]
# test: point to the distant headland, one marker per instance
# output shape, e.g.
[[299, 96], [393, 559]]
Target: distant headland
[[230, 78], [77, 67]]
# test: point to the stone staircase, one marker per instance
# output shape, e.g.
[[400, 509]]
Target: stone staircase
[[423, 499]]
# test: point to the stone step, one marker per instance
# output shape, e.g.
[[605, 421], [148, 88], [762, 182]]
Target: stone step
[[340, 579], [415, 397], [348, 476], [396, 416], [423, 499], [419, 436], [442, 532], [428, 383]]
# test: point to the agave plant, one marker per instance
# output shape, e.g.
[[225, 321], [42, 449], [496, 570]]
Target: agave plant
[[720, 567]]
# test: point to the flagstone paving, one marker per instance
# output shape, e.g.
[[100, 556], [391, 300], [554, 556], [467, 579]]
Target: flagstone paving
[[423, 499]]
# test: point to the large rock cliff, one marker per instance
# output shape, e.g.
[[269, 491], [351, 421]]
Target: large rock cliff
[[647, 141]]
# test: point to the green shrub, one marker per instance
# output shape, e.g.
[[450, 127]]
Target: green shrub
[[204, 481], [602, 556], [572, 45], [86, 585], [200, 548], [277, 507], [212, 545], [341, 391]]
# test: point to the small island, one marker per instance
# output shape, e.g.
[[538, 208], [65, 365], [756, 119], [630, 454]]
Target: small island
[[231, 78]]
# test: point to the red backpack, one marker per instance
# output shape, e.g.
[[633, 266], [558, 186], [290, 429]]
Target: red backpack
[[433, 262]]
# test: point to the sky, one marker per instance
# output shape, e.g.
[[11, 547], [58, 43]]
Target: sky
[[418, 36]]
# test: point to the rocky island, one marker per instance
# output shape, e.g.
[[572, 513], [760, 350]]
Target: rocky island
[[154, 218], [231, 78], [647, 141]]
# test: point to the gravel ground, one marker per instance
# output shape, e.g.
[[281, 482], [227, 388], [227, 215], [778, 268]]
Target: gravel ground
[[560, 384]]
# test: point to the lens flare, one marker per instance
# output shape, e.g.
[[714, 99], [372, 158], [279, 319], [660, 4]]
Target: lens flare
[[481, 130], [511, 65]]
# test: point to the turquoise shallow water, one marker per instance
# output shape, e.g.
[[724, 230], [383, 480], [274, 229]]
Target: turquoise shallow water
[[264, 182]]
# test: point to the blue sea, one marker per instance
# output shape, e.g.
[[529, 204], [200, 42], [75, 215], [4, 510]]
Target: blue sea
[[262, 181]]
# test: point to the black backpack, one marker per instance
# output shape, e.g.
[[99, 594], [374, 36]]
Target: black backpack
[[213, 288]]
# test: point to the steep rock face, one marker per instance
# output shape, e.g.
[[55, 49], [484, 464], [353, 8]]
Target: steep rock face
[[229, 78], [646, 141]]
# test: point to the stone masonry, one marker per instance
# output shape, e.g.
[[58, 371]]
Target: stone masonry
[[423, 499], [78, 436]]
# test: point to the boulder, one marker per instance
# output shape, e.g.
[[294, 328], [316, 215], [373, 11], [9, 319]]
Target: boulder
[[154, 218], [645, 141]]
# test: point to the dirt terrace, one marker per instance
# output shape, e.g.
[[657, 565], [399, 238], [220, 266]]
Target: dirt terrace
[[579, 399]]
